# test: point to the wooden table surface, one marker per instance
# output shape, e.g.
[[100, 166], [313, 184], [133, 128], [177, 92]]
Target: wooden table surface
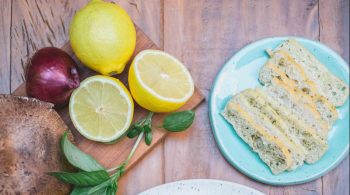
[[203, 34]]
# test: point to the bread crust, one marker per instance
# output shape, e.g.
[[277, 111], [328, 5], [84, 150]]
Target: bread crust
[[29, 146]]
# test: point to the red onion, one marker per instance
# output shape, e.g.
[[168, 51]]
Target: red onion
[[51, 76]]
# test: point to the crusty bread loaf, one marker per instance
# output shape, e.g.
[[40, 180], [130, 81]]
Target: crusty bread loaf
[[302, 66], [30, 132], [306, 135], [286, 97], [272, 151]]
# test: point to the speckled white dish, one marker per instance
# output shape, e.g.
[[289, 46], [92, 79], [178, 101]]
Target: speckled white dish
[[201, 187]]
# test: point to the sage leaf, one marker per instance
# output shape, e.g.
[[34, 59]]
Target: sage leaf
[[82, 178], [178, 121], [78, 158]]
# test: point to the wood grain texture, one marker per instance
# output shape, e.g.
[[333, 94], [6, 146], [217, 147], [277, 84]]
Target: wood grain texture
[[53, 19], [334, 25], [148, 16], [54, 30], [37, 24], [111, 155], [203, 34], [5, 44], [334, 32]]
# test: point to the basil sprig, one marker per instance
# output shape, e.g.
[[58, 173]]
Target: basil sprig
[[96, 180], [174, 122], [142, 126], [93, 178], [82, 178], [85, 190]]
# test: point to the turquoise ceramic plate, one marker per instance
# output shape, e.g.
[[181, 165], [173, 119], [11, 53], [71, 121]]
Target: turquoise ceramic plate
[[241, 72]]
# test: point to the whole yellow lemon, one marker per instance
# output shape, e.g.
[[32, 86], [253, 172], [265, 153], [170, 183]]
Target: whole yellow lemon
[[103, 37]]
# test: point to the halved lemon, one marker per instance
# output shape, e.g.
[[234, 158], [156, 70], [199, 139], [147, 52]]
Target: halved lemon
[[101, 109], [159, 82]]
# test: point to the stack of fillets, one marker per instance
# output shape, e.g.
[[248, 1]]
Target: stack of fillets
[[288, 119]]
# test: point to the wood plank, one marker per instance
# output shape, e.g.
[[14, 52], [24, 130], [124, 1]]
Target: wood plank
[[334, 32], [337, 181], [148, 16], [54, 30], [111, 155], [37, 24], [234, 25], [5, 37], [204, 34], [334, 23], [41, 23], [146, 174]]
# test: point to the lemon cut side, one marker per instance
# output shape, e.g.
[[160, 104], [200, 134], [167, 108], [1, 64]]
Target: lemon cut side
[[101, 109], [159, 82]]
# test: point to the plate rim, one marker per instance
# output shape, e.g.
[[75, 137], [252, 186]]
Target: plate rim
[[219, 143], [205, 180]]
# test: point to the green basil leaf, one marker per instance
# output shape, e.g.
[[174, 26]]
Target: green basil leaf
[[178, 121], [111, 182], [112, 189], [148, 138], [133, 132], [148, 127], [139, 127], [82, 178], [109, 190], [85, 190], [104, 184], [78, 158]]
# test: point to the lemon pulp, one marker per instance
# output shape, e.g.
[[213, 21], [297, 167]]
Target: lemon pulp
[[101, 108], [159, 82]]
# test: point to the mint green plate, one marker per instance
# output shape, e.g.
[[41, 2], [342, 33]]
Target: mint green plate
[[241, 72]]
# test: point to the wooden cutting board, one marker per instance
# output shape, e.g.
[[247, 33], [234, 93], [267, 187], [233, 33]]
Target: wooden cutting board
[[114, 154]]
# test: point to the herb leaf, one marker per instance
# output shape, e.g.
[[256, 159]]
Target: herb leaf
[[178, 121], [148, 127], [112, 190], [85, 190], [82, 178], [78, 158], [133, 132], [148, 138], [109, 190], [91, 182], [139, 126], [102, 185]]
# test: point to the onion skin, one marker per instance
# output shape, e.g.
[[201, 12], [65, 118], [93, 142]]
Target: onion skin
[[51, 76]]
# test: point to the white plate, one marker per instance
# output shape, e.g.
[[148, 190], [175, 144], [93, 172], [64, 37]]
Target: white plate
[[201, 187]]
